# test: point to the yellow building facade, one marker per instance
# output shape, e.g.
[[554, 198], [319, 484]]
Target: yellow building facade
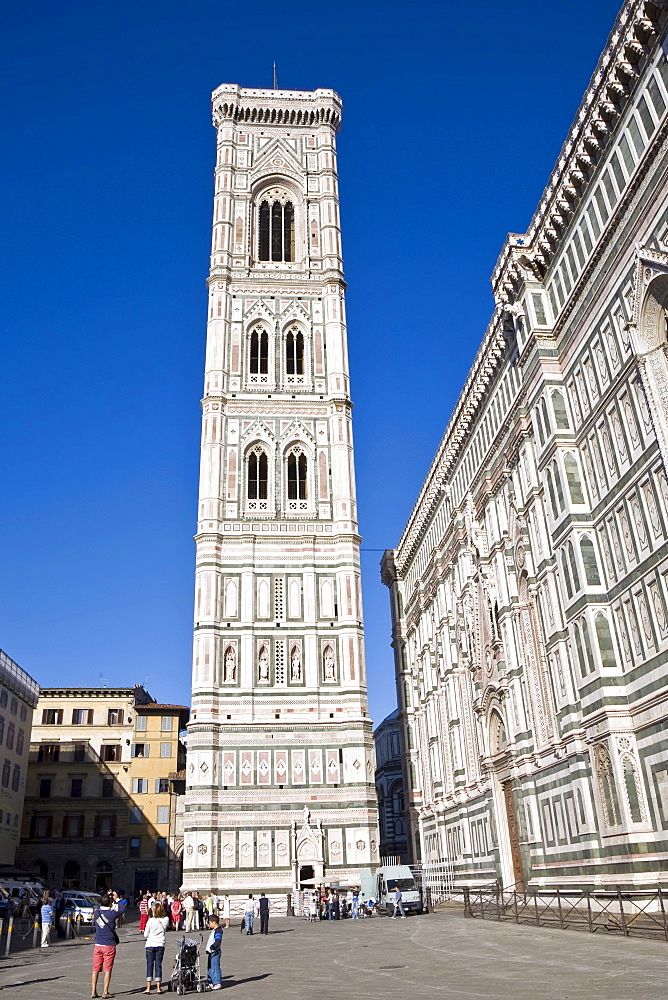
[[99, 807]]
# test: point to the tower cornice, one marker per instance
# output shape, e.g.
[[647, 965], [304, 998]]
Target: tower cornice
[[293, 108]]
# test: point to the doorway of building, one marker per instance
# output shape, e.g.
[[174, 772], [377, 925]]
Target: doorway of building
[[306, 876], [146, 880], [513, 834]]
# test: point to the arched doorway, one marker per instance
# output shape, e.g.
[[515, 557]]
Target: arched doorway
[[103, 876], [505, 809], [72, 875], [306, 876], [40, 871]]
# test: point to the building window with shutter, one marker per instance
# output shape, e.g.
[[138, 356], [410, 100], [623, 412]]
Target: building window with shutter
[[114, 716], [140, 749], [107, 788], [105, 825], [111, 753], [165, 749], [161, 785], [139, 786], [140, 723], [73, 826], [41, 827], [134, 847], [161, 847], [136, 815], [76, 788], [48, 752], [44, 788], [52, 717], [82, 716], [163, 814]]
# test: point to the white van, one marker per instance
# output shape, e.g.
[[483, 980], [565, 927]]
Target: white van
[[381, 885]]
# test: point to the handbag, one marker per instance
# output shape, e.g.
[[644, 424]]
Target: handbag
[[243, 924]]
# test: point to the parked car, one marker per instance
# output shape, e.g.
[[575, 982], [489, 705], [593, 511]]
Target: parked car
[[79, 907]]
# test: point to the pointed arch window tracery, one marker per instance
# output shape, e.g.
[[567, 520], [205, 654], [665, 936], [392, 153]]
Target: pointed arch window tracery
[[276, 230], [259, 354], [257, 478]]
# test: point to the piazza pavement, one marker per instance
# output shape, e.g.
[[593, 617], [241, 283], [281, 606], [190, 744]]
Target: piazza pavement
[[436, 955]]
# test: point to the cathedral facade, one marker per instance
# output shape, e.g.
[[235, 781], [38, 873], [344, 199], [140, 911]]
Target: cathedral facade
[[529, 591], [280, 767]]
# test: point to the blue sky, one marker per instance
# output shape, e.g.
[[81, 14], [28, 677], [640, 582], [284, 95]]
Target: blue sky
[[453, 118]]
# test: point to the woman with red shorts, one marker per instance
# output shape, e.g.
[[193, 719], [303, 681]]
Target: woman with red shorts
[[106, 939]]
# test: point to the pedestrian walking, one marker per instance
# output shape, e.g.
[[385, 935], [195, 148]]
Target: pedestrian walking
[[47, 914], [263, 906], [106, 939], [226, 910], [249, 914], [154, 933], [209, 906], [213, 952], [398, 904], [356, 903]]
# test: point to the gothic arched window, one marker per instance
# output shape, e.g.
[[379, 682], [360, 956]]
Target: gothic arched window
[[257, 475], [277, 231], [294, 353], [573, 477], [296, 476], [589, 560], [605, 644], [259, 352], [559, 407]]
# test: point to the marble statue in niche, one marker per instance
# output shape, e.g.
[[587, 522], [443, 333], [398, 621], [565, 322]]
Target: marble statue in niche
[[263, 665], [230, 665], [328, 658], [295, 665]]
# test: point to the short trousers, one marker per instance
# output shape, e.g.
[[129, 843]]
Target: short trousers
[[103, 957]]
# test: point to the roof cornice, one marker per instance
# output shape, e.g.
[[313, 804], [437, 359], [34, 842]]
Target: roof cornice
[[632, 41]]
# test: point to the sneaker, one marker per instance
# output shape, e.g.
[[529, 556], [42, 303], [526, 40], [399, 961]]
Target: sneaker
[[217, 987], [393, 918], [403, 918]]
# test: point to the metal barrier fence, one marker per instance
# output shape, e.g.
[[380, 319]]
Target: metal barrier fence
[[435, 879], [631, 912]]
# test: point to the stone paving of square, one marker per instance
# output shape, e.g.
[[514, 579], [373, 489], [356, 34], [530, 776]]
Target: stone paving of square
[[436, 955]]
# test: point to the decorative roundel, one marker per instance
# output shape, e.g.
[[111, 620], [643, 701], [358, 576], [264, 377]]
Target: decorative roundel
[[202, 849], [189, 849]]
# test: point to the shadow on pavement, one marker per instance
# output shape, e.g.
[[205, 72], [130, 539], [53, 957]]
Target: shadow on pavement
[[242, 982], [32, 982]]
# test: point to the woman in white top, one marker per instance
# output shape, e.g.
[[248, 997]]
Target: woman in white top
[[154, 933], [226, 910]]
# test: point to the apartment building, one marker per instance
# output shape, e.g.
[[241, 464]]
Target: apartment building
[[98, 809]]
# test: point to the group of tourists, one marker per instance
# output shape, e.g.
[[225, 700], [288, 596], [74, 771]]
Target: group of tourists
[[333, 904], [189, 911]]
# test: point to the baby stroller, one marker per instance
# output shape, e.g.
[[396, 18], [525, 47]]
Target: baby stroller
[[186, 973]]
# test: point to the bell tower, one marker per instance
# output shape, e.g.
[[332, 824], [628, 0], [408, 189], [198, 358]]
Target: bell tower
[[280, 766]]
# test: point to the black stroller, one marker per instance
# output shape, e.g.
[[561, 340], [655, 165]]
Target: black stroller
[[186, 973]]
